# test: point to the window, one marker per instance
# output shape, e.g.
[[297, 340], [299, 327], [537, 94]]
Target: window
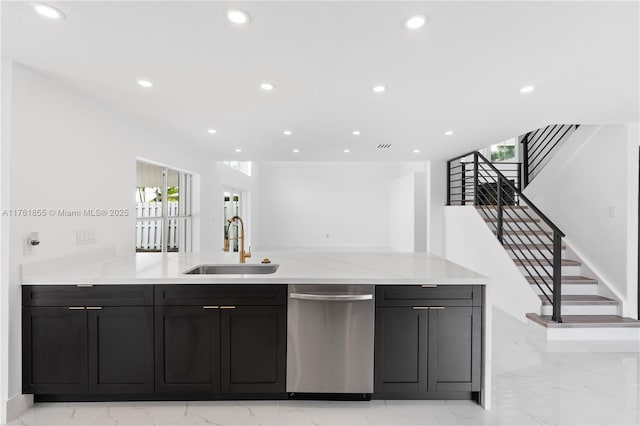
[[231, 209], [503, 151], [241, 166], [163, 209]]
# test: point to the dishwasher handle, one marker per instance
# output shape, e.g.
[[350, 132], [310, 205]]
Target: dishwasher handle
[[332, 297]]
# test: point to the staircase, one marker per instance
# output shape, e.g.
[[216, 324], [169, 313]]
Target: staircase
[[572, 302]]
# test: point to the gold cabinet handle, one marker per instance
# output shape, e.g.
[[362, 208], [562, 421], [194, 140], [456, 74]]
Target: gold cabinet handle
[[210, 307], [93, 308], [76, 308], [420, 308], [227, 307], [429, 285]]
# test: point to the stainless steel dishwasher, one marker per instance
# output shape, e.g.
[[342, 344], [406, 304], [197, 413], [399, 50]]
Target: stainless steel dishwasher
[[330, 339]]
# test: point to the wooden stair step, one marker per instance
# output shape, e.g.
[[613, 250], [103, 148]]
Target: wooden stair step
[[535, 246], [581, 299], [565, 279], [512, 219], [585, 321], [527, 232], [564, 262], [494, 206]]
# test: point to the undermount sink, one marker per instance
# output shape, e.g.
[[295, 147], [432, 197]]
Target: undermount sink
[[235, 268]]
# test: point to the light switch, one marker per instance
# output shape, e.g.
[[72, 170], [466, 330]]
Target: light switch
[[85, 236]]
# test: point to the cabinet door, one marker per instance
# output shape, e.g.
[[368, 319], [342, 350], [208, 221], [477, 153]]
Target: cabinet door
[[187, 349], [401, 350], [253, 348], [54, 348], [120, 349], [455, 349]]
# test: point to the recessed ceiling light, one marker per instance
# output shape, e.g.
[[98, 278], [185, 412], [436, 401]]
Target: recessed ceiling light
[[145, 83], [379, 89], [48, 11], [415, 22], [238, 150], [212, 131], [527, 89], [356, 132], [347, 151], [416, 151], [448, 133], [238, 16], [267, 86], [288, 132], [296, 150]]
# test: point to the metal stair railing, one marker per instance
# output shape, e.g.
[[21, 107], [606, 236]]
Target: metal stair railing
[[474, 180], [539, 146]]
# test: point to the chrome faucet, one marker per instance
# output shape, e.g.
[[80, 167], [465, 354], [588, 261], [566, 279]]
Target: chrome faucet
[[243, 255]]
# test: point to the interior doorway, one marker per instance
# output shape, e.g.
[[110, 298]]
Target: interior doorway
[[233, 206]]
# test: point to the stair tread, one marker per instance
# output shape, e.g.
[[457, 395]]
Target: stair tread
[[585, 321], [509, 206], [535, 246], [566, 279], [581, 299], [527, 232], [512, 219], [565, 262]]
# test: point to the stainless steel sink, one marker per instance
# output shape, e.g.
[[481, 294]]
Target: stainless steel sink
[[234, 268]]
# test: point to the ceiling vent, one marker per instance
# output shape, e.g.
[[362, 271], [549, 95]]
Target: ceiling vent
[[384, 146]]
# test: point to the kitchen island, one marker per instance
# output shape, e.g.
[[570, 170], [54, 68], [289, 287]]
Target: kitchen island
[[224, 336]]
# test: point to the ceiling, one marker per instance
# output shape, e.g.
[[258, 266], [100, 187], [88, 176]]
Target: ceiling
[[460, 72]]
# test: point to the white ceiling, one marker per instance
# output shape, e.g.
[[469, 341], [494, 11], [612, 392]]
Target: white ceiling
[[462, 71]]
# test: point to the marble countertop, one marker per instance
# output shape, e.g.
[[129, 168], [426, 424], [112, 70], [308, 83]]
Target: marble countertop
[[295, 268]]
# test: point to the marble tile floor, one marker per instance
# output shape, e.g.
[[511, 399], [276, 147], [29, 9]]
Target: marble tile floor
[[534, 383]]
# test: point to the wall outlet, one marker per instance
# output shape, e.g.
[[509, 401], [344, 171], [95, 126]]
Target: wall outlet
[[31, 240], [85, 236]]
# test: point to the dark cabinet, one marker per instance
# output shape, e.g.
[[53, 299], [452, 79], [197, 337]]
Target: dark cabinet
[[232, 341], [76, 349], [54, 346], [72, 350], [120, 349], [188, 349], [253, 349], [196, 341], [426, 346]]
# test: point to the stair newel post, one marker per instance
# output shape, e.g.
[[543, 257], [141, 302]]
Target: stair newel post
[[525, 162], [449, 182], [557, 277], [475, 178], [499, 208], [464, 183]]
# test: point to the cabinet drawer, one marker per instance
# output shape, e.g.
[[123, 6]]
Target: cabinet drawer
[[432, 295], [203, 294], [79, 295]]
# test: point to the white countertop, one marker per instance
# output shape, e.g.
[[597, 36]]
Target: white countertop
[[295, 268]]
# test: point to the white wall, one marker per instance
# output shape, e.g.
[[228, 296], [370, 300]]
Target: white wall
[[321, 205], [633, 161], [407, 213], [469, 242], [588, 191], [5, 131], [71, 152], [436, 198]]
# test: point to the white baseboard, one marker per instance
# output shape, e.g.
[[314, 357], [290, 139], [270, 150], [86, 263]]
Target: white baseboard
[[537, 331], [17, 405]]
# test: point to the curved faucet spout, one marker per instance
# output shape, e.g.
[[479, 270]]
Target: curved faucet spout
[[243, 254]]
